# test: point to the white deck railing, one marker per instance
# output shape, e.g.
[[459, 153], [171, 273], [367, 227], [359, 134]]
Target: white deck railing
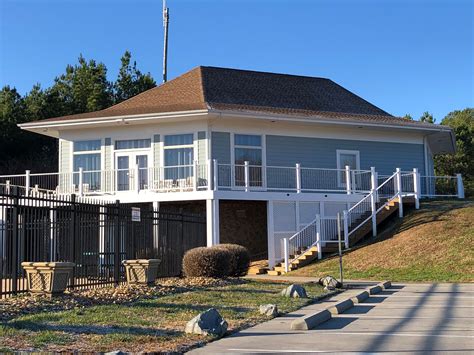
[[383, 190], [194, 177]]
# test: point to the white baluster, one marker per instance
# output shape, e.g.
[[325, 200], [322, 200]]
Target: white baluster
[[318, 236], [348, 179], [246, 175], [81, 181]]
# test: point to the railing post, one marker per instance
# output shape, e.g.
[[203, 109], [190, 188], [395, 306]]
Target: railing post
[[373, 179], [195, 174], [117, 244], [460, 187], [209, 174], [318, 236], [7, 186], [286, 248], [216, 174], [81, 181], [298, 178], [399, 192], [15, 235], [416, 187], [246, 175], [73, 234], [346, 229], [373, 207], [136, 180], [348, 179], [27, 182]]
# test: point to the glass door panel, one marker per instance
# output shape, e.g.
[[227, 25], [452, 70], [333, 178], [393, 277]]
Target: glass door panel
[[123, 173], [142, 162]]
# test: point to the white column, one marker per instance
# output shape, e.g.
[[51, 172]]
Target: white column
[[215, 174], [298, 178], [318, 236], [81, 181], [348, 179], [27, 182], [286, 252], [416, 187], [399, 192], [212, 222], [270, 235], [373, 207], [460, 186]]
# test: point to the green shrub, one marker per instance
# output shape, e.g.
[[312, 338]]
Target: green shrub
[[206, 262], [239, 261]]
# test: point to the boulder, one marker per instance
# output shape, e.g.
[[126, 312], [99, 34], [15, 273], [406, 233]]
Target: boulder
[[209, 322], [269, 310], [329, 283], [294, 291]]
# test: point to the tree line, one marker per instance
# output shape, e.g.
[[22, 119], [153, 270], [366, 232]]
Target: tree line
[[83, 87]]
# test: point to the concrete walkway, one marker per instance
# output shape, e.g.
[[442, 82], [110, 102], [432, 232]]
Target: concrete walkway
[[405, 319]]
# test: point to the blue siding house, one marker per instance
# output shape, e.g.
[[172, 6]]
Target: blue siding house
[[271, 159]]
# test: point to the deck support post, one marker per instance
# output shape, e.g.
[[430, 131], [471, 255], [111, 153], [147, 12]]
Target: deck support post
[[27, 182], [318, 236], [416, 187], [212, 222], [81, 181], [348, 179], [373, 207], [399, 192], [286, 247], [346, 229], [298, 178], [460, 186]]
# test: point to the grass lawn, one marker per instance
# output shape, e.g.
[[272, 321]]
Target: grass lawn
[[145, 325], [435, 243]]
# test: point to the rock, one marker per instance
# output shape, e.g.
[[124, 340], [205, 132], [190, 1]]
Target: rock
[[294, 291], [209, 322], [329, 283], [269, 310]]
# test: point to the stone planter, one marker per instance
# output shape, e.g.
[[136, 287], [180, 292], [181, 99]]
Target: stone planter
[[47, 278], [141, 271]]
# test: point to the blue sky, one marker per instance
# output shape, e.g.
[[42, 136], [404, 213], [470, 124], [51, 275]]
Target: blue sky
[[405, 56]]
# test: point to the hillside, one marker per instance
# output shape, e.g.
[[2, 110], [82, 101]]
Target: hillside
[[435, 243]]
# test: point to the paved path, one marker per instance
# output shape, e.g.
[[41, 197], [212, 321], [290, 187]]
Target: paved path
[[407, 318]]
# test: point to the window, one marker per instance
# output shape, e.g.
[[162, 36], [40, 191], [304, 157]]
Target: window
[[133, 144], [83, 146], [87, 157], [345, 158], [178, 156], [248, 148]]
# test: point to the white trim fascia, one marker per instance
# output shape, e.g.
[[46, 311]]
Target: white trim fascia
[[111, 119], [282, 117]]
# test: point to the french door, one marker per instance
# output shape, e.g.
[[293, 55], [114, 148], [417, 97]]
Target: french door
[[126, 174]]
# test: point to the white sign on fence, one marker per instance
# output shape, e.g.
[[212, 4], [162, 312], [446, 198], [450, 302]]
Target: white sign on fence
[[136, 214]]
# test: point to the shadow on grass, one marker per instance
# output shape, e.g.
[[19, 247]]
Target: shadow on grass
[[92, 329], [184, 307]]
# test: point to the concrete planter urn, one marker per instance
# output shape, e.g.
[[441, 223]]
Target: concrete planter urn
[[48, 278], [141, 271]]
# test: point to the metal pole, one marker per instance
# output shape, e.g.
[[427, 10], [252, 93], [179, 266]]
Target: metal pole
[[165, 48], [339, 241]]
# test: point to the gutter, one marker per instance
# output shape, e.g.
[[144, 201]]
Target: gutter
[[111, 119]]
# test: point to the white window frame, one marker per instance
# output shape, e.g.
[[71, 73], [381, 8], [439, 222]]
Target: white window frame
[[338, 163], [164, 147], [83, 152], [262, 147]]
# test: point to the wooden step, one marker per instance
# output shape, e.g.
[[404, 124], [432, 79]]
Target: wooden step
[[274, 273], [256, 271]]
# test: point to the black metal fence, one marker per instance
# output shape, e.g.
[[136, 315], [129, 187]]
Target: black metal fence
[[97, 236]]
